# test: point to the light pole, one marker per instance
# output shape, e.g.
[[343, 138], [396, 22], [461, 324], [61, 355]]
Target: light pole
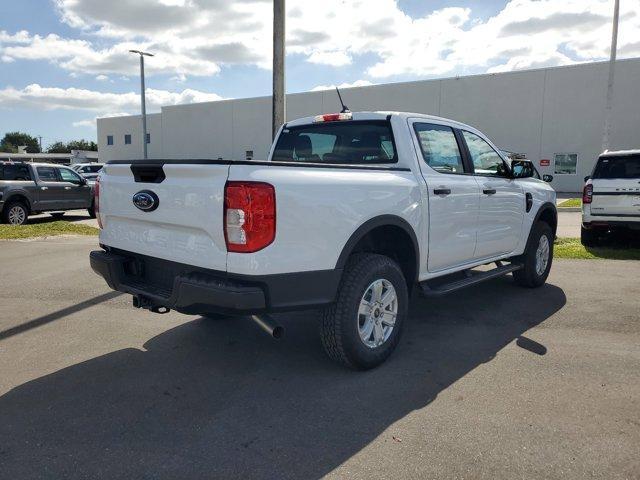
[[142, 101], [279, 99], [606, 136]]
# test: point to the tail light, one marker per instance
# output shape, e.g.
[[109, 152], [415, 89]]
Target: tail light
[[587, 193], [250, 216], [333, 117], [96, 201]]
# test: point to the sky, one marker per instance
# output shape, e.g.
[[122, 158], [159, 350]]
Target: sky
[[65, 62]]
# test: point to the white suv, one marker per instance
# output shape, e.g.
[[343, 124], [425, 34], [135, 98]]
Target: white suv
[[611, 196]]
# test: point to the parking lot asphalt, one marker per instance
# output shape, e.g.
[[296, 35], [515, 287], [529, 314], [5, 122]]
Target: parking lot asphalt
[[492, 382]]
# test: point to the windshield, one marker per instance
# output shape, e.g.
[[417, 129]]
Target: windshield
[[347, 142], [618, 167]]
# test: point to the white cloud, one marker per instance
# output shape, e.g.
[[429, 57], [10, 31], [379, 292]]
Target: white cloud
[[197, 37], [51, 98], [357, 83], [102, 78], [91, 122]]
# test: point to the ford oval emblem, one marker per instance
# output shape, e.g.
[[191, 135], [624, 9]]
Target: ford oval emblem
[[146, 200]]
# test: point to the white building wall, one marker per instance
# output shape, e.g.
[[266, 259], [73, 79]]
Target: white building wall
[[538, 112]]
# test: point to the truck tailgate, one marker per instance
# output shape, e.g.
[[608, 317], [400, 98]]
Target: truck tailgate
[[186, 226], [616, 197]]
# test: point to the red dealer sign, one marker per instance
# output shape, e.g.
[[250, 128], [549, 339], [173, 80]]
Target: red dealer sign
[[545, 162]]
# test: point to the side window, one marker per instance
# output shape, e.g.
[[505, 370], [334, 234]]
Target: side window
[[439, 147], [69, 176], [15, 172], [109, 139], [485, 159], [47, 174]]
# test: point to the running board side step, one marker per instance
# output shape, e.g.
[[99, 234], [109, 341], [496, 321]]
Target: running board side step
[[470, 279]]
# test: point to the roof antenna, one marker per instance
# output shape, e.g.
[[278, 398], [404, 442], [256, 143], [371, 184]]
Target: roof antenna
[[345, 109]]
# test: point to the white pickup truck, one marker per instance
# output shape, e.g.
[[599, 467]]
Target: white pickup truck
[[349, 212]]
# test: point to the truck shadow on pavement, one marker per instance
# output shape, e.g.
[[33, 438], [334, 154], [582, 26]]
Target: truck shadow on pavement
[[219, 399]]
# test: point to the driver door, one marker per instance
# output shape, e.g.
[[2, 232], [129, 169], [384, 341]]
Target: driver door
[[502, 200]]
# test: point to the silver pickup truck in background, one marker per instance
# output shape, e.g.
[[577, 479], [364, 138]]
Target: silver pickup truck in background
[[31, 188]]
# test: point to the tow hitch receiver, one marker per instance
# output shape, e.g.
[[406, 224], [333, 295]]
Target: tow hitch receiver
[[140, 301]]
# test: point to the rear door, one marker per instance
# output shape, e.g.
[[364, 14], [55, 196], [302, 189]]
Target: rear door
[[616, 186], [184, 223], [51, 191], [452, 195], [502, 200]]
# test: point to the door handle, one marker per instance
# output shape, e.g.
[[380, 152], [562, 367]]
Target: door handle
[[67, 188], [442, 191], [489, 191], [44, 188]]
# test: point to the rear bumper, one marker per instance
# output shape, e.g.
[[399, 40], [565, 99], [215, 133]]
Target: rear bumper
[[610, 221], [192, 290]]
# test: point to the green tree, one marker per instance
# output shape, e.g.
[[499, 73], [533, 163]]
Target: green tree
[[61, 147], [58, 147], [13, 140]]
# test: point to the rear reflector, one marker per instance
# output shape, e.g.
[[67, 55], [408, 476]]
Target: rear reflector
[[333, 117], [587, 193], [249, 216], [96, 201]]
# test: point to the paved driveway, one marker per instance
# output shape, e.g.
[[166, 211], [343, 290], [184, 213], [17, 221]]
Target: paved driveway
[[492, 382]]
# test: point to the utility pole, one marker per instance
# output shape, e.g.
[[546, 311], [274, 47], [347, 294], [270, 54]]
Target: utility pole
[[606, 136], [279, 100], [142, 98], [40, 142]]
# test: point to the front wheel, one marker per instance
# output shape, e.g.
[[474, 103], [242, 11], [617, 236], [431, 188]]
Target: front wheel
[[363, 327], [537, 258]]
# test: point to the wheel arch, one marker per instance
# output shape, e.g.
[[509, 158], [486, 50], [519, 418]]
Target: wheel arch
[[547, 213], [374, 235], [18, 196]]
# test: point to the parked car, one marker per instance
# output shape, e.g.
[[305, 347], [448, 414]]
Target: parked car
[[31, 188], [611, 196], [349, 212], [87, 170]]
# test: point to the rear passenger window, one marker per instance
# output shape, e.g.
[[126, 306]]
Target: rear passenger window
[[439, 147], [14, 172], [47, 174]]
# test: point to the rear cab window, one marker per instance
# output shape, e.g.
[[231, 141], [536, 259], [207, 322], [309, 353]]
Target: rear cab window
[[351, 142], [14, 172], [627, 167]]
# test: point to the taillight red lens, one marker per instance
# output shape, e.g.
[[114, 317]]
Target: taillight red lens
[[249, 216], [587, 193], [96, 201]]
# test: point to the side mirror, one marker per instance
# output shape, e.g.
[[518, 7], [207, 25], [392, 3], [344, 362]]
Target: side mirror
[[587, 178], [547, 178], [522, 169]]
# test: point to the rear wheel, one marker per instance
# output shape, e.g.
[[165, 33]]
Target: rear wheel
[[589, 237], [15, 213], [363, 327], [536, 260], [57, 215]]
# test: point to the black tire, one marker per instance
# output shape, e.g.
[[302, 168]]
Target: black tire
[[92, 211], [527, 276], [215, 316], [589, 237], [57, 215], [12, 205], [339, 325]]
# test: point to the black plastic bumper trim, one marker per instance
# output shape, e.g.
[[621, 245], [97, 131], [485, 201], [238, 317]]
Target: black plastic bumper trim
[[195, 290]]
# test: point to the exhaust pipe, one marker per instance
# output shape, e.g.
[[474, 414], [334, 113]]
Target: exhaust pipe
[[269, 325]]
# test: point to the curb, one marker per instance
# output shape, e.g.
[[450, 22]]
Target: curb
[[569, 209]]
